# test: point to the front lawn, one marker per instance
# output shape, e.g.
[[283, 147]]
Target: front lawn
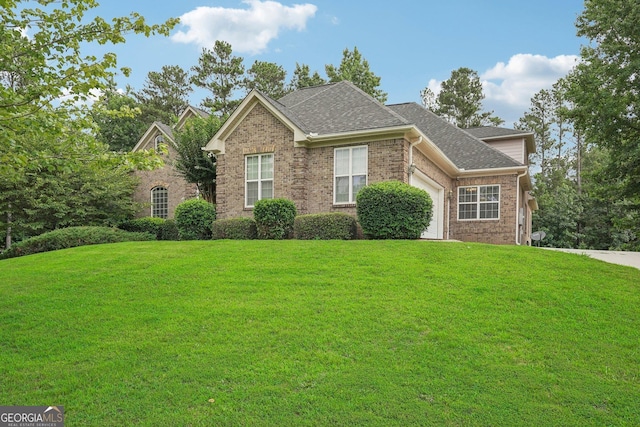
[[321, 333]]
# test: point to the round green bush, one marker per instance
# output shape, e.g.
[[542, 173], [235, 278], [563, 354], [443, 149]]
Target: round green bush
[[194, 218], [72, 237], [393, 210], [274, 218], [325, 226], [234, 228]]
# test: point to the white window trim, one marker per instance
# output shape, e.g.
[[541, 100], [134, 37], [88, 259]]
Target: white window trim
[[352, 198], [478, 202], [151, 193], [259, 180]]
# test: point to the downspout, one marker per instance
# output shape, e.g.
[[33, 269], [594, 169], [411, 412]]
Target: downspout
[[523, 174], [411, 167]]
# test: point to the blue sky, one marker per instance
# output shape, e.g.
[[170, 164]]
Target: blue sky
[[517, 47]]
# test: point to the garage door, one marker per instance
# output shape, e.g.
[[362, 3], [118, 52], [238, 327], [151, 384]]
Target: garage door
[[418, 179]]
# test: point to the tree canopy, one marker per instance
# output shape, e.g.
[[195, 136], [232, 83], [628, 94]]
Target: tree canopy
[[221, 73], [460, 100], [165, 95], [355, 68], [46, 135], [604, 86]]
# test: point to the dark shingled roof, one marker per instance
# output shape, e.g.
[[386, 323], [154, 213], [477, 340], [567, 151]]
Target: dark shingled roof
[[493, 131], [464, 150], [166, 129], [337, 108], [342, 108]]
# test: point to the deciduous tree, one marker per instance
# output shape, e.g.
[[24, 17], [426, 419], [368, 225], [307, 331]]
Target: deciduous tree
[[195, 165], [604, 86]]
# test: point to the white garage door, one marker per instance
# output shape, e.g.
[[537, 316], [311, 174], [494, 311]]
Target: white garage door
[[436, 192]]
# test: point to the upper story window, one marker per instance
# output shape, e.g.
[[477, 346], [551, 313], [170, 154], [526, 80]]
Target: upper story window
[[159, 139], [258, 178], [160, 202], [479, 202], [349, 172]]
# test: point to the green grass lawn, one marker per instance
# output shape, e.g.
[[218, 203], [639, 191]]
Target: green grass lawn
[[321, 333]]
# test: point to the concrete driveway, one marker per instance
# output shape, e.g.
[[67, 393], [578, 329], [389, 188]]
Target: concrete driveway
[[631, 259]]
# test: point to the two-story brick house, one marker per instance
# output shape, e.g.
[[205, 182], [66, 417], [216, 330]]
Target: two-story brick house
[[318, 146], [159, 191]]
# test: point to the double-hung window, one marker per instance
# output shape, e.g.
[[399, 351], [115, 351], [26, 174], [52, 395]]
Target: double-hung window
[[258, 178], [159, 202], [479, 202], [350, 173]]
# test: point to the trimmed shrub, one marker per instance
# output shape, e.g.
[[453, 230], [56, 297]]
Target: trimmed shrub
[[72, 237], [194, 218], [274, 218], [147, 224], [169, 231], [325, 226], [393, 210], [234, 228]]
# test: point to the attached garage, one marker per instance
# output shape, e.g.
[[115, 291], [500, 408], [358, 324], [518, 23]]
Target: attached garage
[[436, 191]]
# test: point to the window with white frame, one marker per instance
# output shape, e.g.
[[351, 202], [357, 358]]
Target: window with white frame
[[479, 202], [258, 178], [160, 202], [349, 172]]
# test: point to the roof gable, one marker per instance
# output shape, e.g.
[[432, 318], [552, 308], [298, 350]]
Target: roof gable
[[149, 136], [494, 133], [338, 108]]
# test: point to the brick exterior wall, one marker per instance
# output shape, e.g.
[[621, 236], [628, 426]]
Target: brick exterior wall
[[305, 176], [497, 231], [178, 189]]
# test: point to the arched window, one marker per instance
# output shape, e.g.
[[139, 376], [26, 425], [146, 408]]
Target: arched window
[[159, 202], [157, 141]]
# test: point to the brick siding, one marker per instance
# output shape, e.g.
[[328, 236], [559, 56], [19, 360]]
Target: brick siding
[[178, 189]]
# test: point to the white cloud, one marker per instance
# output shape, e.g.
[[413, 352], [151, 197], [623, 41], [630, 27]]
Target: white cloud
[[247, 30], [508, 88]]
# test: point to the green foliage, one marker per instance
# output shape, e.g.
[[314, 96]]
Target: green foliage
[[221, 73], [355, 69], [393, 210], [83, 190], [460, 100], [235, 228], [302, 78], [325, 226], [274, 218], [268, 78], [192, 163], [117, 116], [53, 172], [71, 237], [165, 95], [603, 87], [151, 225], [169, 230], [194, 218]]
